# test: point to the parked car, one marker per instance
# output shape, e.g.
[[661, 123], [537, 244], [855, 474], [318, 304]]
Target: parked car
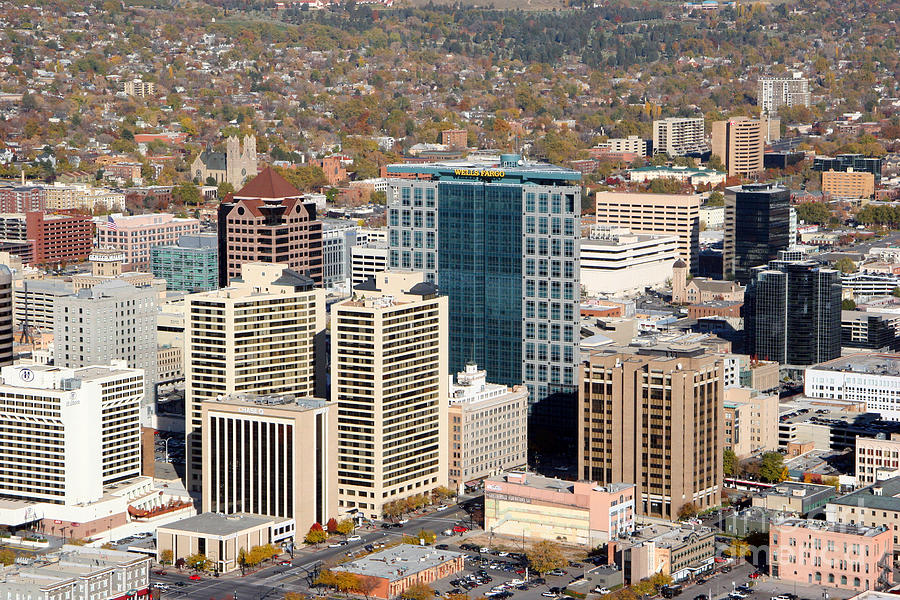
[[403, 521], [354, 538], [557, 572], [549, 595], [337, 544], [754, 575], [285, 563], [443, 507], [442, 547], [195, 577]]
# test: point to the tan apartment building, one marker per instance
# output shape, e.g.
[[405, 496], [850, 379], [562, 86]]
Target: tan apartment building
[[848, 184], [654, 421], [270, 455], [673, 551], [661, 214], [751, 421], [257, 336], [488, 428], [389, 385], [877, 459], [739, 143], [877, 505], [677, 136]]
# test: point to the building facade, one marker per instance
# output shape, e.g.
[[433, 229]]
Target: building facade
[[539, 508], [502, 242], [655, 214], [367, 261], [792, 313], [877, 459], [57, 239], [848, 184], [111, 321], [615, 261], [190, 265], [845, 162], [267, 221], [338, 237], [258, 336], [757, 227], [679, 136], [136, 235], [632, 405], [775, 92], [488, 427], [389, 387], [853, 557], [78, 433], [870, 377], [739, 143], [751, 421], [272, 456], [396, 569]]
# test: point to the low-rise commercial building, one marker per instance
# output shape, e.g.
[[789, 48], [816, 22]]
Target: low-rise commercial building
[[614, 260], [853, 557], [219, 537], [865, 330], [876, 505], [78, 573], [540, 508], [877, 458], [804, 499], [396, 569], [873, 378], [488, 427], [679, 553]]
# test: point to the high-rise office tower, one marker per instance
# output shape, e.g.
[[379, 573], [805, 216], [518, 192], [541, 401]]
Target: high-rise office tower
[[654, 421], [270, 455], [757, 227], [678, 136], [257, 336], [268, 221], [793, 313], [774, 92], [501, 241], [110, 321], [6, 316], [389, 387], [739, 143]]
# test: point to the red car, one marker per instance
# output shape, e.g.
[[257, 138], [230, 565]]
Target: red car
[[159, 572], [754, 575], [195, 578], [285, 563]]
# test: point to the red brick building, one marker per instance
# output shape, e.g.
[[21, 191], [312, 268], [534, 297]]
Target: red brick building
[[715, 308], [333, 167], [267, 221], [455, 138], [58, 238], [21, 198], [394, 570]]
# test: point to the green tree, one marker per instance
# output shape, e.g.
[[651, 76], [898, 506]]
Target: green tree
[[187, 193], [418, 591], [304, 178], [243, 560], [845, 265], [716, 163], [716, 198], [729, 461], [224, 189], [545, 556], [771, 468], [643, 588], [814, 212], [848, 304]]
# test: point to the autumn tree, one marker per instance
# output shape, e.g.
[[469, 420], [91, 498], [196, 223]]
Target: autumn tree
[[187, 193], [688, 510], [316, 535], [418, 591], [7, 556], [771, 468], [331, 526], [165, 557], [197, 562], [345, 526], [545, 556], [366, 584]]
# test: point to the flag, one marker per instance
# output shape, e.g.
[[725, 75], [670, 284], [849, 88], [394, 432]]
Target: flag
[[110, 222]]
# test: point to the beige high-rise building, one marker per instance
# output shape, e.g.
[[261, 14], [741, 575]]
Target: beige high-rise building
[[739, 143], [661, 214], [678, 136], [654, 421], [257, 336], [270, 455], [389, 385]]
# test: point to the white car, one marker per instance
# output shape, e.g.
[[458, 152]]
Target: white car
[[549, 595], [503, 554], [403, 521], [602, 591], [354, 538], [337, 544], [443, 507], [515, 582]]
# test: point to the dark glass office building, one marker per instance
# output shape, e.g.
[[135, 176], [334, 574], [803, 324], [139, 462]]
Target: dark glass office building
[[793, 313], [501, 241], [845, 162], [757, 227]]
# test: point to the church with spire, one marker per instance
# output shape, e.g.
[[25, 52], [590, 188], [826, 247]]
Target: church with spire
[[236, 165]]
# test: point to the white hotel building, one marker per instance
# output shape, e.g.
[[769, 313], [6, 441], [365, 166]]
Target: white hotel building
[[616, 261], [873, 378]]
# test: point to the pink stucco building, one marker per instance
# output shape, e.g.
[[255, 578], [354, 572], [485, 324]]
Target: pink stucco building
[[578, 512], [135, 235], [850, 557]]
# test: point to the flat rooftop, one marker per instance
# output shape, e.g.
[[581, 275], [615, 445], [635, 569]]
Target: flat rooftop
[[282, 401], [549, 483], [815, 524], [399, 562], [210, 523], [489, 170], [886, 363]]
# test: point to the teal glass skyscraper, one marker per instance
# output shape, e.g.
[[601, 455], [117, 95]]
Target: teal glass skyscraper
[[501, 241], [192, 265]]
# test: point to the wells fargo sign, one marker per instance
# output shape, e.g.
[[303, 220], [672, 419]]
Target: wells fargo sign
[[481, 173]]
